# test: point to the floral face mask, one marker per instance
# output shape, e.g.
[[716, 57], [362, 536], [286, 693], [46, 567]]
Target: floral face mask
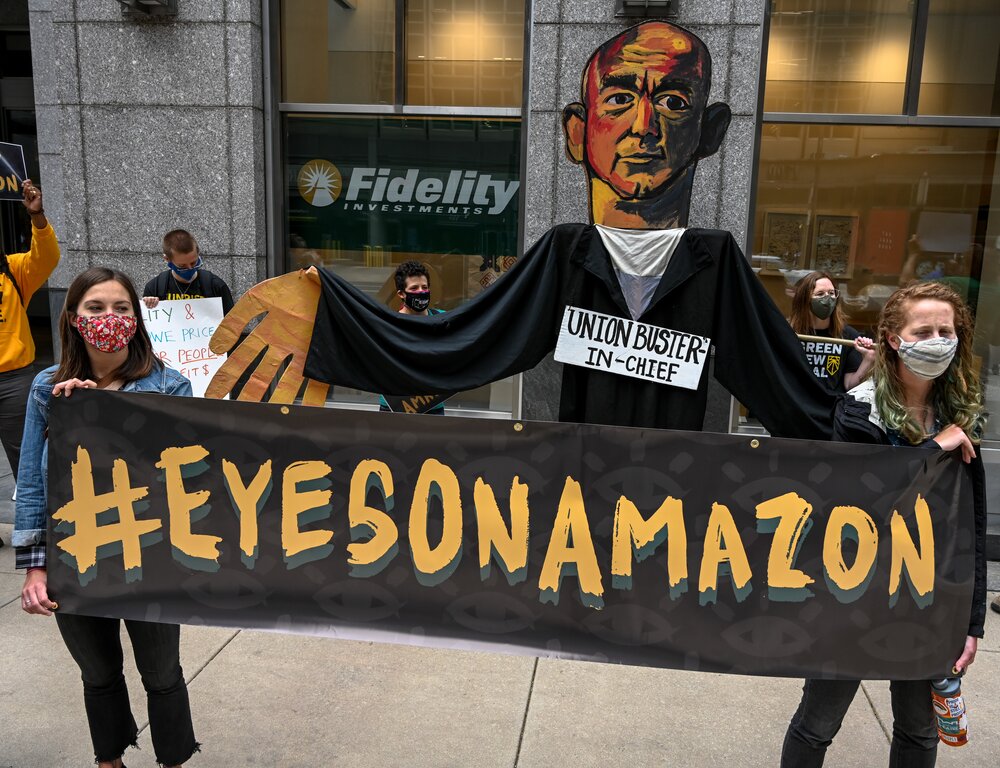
[[107, 333]]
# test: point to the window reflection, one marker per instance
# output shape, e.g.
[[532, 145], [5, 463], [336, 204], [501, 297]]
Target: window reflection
[[337, 55], [459, 53], [961, 57], [878, 206], [465, 52], [846, 56]]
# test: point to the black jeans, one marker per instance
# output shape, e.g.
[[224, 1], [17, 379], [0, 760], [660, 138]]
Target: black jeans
[[14, 388], [822, 709], [95, 645]]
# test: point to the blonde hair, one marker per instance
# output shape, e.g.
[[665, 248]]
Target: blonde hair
[[956, 394]]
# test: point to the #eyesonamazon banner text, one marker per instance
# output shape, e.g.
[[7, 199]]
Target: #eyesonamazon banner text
[[674, 549]]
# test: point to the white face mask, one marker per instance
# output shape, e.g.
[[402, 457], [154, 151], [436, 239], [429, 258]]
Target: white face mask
[[928, 358]]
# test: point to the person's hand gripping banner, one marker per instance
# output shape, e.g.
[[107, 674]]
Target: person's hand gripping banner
[[274, 352]]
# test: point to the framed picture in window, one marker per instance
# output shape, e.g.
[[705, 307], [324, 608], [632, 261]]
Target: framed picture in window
[[785, 244], [835, 243]]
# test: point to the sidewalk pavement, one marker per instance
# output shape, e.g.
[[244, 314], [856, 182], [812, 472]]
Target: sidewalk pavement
[[268, 699]]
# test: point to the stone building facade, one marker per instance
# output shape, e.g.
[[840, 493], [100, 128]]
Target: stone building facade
[[148, 126]]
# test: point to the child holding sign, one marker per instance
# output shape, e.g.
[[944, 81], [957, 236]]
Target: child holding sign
[[186, 276]]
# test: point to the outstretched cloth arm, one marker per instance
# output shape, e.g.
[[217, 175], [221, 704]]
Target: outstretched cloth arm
[[759, 359], [507, 329]]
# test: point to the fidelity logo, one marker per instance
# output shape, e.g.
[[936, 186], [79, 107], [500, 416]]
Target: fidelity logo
[[384, 190], [320, 183]]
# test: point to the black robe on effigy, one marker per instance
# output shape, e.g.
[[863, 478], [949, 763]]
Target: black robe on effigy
[[708, 289]]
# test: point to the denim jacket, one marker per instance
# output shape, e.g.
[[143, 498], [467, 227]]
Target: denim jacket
[[30, 512]]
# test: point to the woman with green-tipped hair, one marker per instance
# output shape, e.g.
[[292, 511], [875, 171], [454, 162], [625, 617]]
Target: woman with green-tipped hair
[[923, 391]]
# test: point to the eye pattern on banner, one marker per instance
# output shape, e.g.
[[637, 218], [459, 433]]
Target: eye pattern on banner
[[320, 183], [670, 549]]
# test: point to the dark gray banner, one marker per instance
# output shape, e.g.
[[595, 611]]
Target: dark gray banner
[[673, 549]]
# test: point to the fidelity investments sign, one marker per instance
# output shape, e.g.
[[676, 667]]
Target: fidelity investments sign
[[390, 190]]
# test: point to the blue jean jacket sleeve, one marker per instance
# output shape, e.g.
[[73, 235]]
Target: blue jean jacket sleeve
[[30, 510], [179, 387]]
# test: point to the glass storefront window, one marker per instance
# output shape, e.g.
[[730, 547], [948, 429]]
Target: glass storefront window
[[846, 56], [459, 53], [878, 206], [365, 193], [333, 54], [961, 59], [464, 52]]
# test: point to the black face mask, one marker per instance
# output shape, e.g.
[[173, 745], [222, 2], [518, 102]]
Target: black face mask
[[823, 306], [417, 301]]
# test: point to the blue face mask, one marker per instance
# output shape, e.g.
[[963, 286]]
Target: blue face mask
[[186, 274]]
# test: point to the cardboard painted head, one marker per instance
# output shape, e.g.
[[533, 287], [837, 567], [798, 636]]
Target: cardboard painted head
[[644, 120]]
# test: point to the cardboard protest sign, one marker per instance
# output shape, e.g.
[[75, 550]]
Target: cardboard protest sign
[[641, 546], [630, 348], [12, 171], [414, 403], [180, 331]]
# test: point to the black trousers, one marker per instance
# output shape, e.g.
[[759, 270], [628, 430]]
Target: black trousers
[[95, 645], [14, 388], [824, 705]]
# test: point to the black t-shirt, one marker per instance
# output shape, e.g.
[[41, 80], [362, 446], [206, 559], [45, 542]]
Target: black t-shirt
[[206, 285], [831, 362]]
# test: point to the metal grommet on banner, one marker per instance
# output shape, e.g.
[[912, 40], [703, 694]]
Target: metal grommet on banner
[[284, 409], [518, 426], [755, 443]]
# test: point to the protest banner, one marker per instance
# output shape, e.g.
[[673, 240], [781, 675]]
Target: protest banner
[[180, 331], [13, 171], [678, 549]]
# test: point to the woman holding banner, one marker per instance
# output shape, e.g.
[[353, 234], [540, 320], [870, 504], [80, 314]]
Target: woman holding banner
[[925, 392], [104, 346], [817, 311]]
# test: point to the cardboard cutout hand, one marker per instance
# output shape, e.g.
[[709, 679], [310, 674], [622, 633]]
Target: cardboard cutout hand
[[290, 303]]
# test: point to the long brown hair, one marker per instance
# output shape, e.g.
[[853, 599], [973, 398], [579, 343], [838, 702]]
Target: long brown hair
[[801, 318], [75, 362], [956, 394]]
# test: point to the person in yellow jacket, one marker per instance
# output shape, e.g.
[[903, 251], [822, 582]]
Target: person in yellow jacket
[[21, 274]]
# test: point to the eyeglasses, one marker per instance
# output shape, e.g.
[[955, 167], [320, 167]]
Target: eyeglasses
[[824, 294]]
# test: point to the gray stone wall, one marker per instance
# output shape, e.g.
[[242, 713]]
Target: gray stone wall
[[564, 34], [148, 126]]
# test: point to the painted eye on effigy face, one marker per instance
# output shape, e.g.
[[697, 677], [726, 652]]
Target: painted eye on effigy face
[[674, 102]]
